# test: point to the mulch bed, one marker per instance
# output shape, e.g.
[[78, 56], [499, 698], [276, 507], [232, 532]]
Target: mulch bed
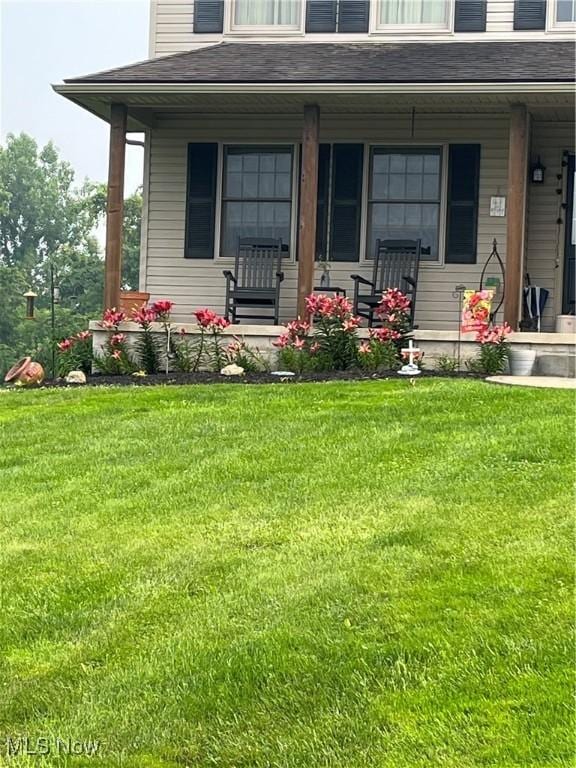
[[206, 377]]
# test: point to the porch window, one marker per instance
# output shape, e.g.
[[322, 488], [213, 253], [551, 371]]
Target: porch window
[[417, 15], [404, 197], [256, 14], [257, 195]]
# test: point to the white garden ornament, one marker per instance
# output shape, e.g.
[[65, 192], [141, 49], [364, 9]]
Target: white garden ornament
[[412, 353]]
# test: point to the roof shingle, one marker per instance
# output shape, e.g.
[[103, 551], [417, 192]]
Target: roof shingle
[[505, 62]]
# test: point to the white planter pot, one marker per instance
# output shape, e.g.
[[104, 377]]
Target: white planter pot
[[522, 362], [566, 324]]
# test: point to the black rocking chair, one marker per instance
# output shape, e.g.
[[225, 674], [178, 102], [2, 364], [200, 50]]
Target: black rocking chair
[[396, 265], [256, 279]]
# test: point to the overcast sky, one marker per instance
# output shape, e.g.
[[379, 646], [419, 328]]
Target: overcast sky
[[44, 41]]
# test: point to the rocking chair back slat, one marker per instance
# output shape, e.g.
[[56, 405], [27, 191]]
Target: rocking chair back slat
[[394, 261], [258, 262]]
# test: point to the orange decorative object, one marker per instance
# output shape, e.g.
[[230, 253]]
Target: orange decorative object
[[25, 372], [130, 300]]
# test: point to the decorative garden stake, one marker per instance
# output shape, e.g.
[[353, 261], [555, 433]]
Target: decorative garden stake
[[411, 353]]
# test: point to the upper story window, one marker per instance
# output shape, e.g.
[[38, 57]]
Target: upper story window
[[262, 15], [563, 14], [412, 15]]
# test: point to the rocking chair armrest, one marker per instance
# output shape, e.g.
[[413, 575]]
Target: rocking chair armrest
[[360, 279], [280, 276], [229, 275], [409, 280]]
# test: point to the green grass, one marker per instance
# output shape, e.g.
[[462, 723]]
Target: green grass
[[342, 575]]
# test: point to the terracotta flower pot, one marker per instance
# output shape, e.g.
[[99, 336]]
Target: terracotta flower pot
[[130, 300], [25, 372]]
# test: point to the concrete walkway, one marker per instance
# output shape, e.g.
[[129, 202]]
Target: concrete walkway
[[548, 382]]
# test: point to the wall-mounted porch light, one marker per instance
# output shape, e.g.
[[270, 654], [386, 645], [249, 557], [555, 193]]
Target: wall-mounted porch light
[[537, 172], [30, 297]]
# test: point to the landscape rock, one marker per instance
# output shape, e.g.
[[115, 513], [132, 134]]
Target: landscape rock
[[232, 370], [76, 377]]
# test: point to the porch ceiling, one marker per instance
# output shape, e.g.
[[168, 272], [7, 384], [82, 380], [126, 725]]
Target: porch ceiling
[[146, 103]]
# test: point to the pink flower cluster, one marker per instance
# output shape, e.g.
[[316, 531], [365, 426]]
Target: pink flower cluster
[[162, 308], [144, 316], [117, 339], [384, 334], [295, 336], [67, 344], [495, 334], [210, 321], [112, 318], [392, 303], [329, 306]]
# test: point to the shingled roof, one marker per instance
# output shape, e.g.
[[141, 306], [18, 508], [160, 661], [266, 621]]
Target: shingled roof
[[496, 62]]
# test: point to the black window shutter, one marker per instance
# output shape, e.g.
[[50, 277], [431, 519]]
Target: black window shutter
[[201, 201], [322, 203], [463, 186], [321, 15], [347, 167], [529, 14], [208, 16], [470, 16], [353, 15]]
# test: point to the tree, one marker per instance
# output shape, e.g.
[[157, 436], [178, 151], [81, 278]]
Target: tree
[[132, 229], [47, 227]]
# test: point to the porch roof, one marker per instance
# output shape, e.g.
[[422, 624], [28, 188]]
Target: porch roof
[[238, 62]]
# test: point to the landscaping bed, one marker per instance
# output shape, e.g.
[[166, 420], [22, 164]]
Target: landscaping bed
[[209, 377]]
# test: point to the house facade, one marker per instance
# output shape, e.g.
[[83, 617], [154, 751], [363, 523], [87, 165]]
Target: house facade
[[333, 123]]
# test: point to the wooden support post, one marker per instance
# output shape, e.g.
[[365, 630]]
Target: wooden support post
[[516, 213], [115, 206], [308, 205]]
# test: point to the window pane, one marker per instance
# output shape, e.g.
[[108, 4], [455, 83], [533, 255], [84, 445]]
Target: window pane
[[253, 173], [253, 220], [405, 194], [267, 13], [413, 12], [257, 195], [405, 221], [566, 10]]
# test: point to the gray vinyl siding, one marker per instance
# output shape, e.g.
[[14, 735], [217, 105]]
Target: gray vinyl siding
[[172, 30], [544, 236], [198, 283]]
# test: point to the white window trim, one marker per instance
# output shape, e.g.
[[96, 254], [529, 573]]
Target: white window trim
[[291, 258], [410, 29], [270, 29], [552, 25], [444, 149]]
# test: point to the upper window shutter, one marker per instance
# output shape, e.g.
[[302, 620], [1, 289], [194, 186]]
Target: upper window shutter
[[321, 15], [529, 14], [208, 16], [470, 16], [463, 187], [353, 15], [347, 167], [201, 201], [322, 202]]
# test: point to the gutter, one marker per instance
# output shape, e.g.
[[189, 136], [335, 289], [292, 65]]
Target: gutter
[[102, 88]]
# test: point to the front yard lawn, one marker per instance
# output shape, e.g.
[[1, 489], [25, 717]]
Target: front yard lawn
[[339, 575]]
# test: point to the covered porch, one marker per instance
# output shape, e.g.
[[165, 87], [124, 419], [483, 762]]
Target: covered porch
[[513, 125]]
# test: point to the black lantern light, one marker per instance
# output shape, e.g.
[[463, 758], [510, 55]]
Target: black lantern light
[[30, 297], [537, 172]]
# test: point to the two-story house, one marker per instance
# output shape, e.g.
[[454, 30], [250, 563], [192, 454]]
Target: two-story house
[[333, 123]]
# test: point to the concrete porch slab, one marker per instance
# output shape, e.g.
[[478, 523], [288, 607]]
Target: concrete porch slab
[[543, 382]]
